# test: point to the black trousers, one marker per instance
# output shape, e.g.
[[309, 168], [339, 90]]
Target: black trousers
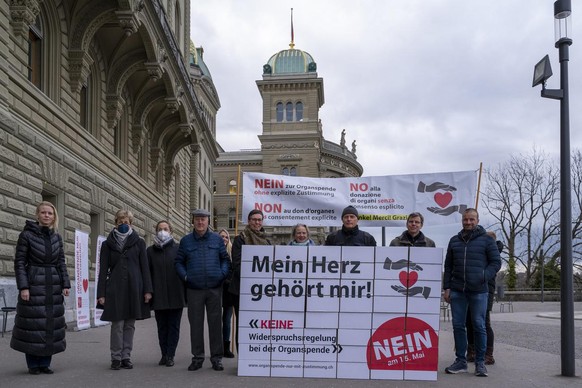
[[38, 361], [168, 322]]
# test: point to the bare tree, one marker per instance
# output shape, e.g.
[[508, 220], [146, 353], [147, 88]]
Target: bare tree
[[522, 196], [577, 210]]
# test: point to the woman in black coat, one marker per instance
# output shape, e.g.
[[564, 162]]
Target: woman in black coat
[[124, 287], [42, 280], [169, 292]]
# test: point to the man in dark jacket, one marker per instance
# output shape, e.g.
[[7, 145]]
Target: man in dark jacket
[[472, 260], [350, 234], [203, 264], [412, 236], [253, 234]]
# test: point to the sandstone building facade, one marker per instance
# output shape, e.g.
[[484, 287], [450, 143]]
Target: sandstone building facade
[[103, 105]]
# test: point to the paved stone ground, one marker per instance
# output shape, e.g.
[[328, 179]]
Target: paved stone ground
[[532, 325], [527, 354]]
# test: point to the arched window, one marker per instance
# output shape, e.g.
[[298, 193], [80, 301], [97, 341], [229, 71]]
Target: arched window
[[289, 112], [84, 105], [279, 112], [231, 219], [121, 132], [142, 161], [177, 186], [232, 187], [299, 111], [35, 43], [289, 170]]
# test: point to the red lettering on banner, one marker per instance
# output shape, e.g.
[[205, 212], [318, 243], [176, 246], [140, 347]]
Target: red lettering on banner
[[359, 187], [276, 324], [269, 183], [269, 207]]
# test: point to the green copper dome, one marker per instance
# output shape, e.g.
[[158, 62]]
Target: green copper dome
[[290, 61], [197, 59]]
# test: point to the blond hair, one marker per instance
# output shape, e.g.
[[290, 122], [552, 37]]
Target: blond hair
[[124, 214], [55, 224]]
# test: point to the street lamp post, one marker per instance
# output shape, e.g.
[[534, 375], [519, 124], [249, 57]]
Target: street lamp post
[[542, 71]]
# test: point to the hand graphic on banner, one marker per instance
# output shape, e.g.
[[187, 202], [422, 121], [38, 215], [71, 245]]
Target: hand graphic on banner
[[424, 188], [425, 291], [448, 211], [402, 263]]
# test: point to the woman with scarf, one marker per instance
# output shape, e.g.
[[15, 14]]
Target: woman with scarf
[[169, 293], [300, 236], [227, 301], [253, 234], [42, 280], [124, 288]]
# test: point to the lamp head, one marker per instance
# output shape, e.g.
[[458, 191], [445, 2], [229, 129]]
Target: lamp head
[[542, 71], [562, 19], [562, 9]]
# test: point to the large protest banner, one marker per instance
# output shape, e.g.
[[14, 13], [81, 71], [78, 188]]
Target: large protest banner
[[340, 312], [98, 312], [381, 201], [82, 279]]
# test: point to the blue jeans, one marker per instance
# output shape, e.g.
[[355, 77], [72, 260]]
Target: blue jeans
[[477, 302]]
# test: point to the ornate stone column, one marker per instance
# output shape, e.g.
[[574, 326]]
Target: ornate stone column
[[195, 148]]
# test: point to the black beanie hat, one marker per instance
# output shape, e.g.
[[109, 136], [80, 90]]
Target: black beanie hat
[[350, 210]]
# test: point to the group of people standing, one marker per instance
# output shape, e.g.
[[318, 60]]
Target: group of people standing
[[203, 272]]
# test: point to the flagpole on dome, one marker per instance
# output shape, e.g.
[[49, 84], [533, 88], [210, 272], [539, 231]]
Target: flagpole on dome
[[292, 44], [237, 201]]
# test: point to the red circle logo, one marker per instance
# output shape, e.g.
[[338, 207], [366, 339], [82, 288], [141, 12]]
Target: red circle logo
[[403, 344]]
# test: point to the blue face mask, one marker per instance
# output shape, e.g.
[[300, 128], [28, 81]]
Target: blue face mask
[[123, 228]]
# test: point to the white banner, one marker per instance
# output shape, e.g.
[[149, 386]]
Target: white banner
[[97, 312], [339, 312], [82, 279], [381, 201]]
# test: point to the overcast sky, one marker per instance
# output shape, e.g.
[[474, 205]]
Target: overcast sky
[[421, 85]]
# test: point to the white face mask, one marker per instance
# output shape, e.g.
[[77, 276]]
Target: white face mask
[[163, 235]]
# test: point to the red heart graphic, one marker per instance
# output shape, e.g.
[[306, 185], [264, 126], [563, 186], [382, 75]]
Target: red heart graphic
[[408, 279], [412, 278], [443, 199], [85, 284]]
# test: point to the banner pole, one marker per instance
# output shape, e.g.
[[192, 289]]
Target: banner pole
[[479, 185], [237, 202]]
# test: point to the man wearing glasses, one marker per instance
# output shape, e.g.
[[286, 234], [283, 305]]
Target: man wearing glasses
[[253, 234]]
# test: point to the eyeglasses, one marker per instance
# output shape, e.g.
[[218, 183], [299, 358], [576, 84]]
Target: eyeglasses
[[256, 219]]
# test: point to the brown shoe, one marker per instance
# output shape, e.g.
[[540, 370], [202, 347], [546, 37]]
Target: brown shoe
[[489, 360]]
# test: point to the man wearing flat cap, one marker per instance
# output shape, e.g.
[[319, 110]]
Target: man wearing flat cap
[[203, 264], [350, 234]]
